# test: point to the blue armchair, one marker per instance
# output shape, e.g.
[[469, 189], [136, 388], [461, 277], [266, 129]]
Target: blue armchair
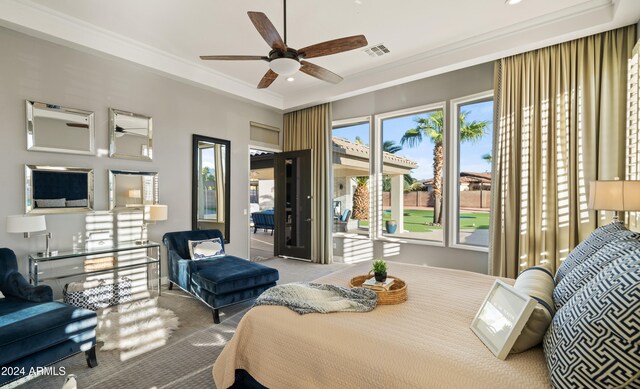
[[36, 331], [218, 282]]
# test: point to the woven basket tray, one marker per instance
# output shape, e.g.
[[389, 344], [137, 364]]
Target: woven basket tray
[[395, 295]]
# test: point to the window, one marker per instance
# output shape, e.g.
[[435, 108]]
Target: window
[[253, 192], [412, 162], [351, 156], [473, 140], [421, 174]]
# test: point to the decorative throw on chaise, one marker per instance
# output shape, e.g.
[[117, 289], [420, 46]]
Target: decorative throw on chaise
[[321, 298]]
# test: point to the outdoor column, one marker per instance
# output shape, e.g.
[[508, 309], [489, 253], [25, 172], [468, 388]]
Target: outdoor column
[[397, 201], [348, 196]]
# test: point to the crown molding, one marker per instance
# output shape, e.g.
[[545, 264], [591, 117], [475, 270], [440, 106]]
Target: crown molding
[[586, 18], [574, 22], [33, 19]]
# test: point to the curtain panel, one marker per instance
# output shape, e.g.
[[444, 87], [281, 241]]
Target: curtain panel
[[560, 123], [305, 129]]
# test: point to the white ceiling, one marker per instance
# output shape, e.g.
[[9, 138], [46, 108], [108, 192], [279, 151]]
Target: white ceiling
[[425, 37]]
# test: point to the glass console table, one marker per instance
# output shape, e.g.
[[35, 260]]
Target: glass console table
[[96, 260]]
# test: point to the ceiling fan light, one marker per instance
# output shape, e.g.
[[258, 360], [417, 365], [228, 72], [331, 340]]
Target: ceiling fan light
[[284, 66], [512, 2]]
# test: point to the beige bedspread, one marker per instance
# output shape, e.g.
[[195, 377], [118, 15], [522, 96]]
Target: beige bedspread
[[425, 342]]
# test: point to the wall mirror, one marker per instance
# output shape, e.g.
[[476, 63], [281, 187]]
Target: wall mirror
[[130, 135], [132, 189], [210, 184], [59, 129], [52, 189]]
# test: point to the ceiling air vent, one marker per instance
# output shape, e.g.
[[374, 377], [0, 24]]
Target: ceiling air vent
[[377, 50]]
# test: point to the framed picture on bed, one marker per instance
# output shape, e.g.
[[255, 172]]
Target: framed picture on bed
[[502, 317]]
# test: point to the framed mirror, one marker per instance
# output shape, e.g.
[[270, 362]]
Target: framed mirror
[[210, 184], [130, 135], [53, 189], [59, 129], [132, 189]]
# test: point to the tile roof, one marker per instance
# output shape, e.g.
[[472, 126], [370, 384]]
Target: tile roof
[[341, 145]]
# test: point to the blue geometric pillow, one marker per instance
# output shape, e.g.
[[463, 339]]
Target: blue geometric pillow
[[587, 270], [202, 249], [594, 242], [594, 339]]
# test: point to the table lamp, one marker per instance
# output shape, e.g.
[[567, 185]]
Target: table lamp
[[614, 195], [152, 214], [27, 225]]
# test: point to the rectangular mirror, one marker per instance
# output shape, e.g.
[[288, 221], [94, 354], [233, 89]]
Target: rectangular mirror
[[211, 189], [52, 189], [59, 129], [132, 188], [130, 135]]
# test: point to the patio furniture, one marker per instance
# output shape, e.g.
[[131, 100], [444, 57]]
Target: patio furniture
[[342, 224], [217, 281], [36, 331], [263, 219]]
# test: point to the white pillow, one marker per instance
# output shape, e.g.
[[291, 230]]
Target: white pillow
[[538, 283], [201, 249]]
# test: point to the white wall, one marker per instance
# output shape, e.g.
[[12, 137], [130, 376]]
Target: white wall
[[439, 88], [39, 70]]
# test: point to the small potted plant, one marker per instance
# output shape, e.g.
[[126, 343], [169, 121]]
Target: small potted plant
[[380, 270]]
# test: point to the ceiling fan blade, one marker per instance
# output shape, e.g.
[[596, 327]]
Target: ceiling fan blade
[[320, 72], [267, 79], [234, 57], [267, 30], [333, 46]]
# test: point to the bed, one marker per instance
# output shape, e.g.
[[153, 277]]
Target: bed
[[424, 342]]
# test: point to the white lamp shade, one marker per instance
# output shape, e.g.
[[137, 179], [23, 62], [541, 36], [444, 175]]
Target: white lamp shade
[[614, 195], [17, 224], [156, 212], [284, 66]]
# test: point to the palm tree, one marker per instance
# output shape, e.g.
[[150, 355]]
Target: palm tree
[[488, 158], [361, 194], [432, 127], [361, 199], [390, 146]]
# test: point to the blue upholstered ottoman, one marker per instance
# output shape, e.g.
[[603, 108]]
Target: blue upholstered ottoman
[[218, 282]]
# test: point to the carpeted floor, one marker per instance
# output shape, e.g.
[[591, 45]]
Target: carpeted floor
[[186, 359]]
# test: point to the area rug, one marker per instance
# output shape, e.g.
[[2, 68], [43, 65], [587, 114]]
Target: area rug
[[134, 326]]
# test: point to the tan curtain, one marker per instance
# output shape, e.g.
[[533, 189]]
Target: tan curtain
[[305, 129], [560, 123]]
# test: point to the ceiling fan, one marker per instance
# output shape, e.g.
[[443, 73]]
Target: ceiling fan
[[284, 60]]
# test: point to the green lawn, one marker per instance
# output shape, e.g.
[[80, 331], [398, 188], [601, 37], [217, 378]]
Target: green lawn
[[415, 220]]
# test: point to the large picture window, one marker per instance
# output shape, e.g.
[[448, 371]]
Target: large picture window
[[351, 172], [473, 152], [412, 165], [418, 175]]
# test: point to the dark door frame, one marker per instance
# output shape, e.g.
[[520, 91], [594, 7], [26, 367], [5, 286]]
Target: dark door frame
[[280, 247]]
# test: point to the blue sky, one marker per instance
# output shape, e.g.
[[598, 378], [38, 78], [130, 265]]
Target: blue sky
[[393, 129]]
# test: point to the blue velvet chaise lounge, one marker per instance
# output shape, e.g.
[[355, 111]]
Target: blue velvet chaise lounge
[[219, 281], [36, 331]]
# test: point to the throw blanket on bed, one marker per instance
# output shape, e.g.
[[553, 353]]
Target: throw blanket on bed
[[322, 298]]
